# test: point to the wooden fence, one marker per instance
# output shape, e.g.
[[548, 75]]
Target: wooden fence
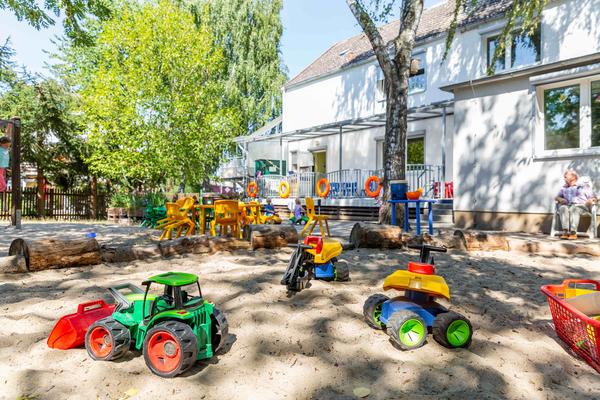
[[73, 205]]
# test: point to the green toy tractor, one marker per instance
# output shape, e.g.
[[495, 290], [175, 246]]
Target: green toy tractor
[[173, 329]]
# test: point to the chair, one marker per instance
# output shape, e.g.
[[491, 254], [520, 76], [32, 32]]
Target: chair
[[226, 217], [180, 220], [591, 232], [313, 219]]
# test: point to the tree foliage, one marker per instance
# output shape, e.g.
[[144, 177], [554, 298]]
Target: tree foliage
[[153, 97], [249, 32]]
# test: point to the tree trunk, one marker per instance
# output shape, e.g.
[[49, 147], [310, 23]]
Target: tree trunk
[[376, 236], [482, 241], [56, 253], [94, 187], [40, 193], [270, 236]]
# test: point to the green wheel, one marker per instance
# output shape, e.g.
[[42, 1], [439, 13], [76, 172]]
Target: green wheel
[[407, 329], [372, 310], [452, 330]]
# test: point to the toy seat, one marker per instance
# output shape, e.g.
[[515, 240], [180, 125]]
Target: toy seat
[[179, 219], [226, 217], [313, 219]]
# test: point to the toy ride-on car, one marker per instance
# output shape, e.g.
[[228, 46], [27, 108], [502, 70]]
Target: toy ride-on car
[[410, 317], [173, 329], [316, 258]]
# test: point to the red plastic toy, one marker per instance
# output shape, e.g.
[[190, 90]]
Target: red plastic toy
[[69, 331]]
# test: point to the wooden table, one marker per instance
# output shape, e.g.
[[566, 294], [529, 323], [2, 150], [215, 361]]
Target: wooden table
[[418, 203]]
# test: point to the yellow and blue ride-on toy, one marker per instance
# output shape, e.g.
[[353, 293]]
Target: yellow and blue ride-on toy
[[410, 317], [315, 258]]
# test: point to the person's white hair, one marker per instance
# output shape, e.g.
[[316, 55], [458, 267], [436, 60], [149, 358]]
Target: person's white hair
[[571, 171]]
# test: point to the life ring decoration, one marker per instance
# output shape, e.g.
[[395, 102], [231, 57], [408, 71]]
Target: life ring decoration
[[368, 191], [284, 190], [252, 189], [323, 192]]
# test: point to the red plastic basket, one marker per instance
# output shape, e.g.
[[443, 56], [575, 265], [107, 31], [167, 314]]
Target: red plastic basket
[[580, 332]]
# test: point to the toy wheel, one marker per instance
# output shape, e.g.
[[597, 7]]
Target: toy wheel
[[107, 339], [407, 329], [372, 310], [452, 330], [170, 348], [218, 330], [341, 272]]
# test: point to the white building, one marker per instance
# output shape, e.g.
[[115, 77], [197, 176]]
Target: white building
[[489, 135]]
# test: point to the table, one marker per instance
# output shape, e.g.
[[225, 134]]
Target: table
[[429, 202], [202, 209]]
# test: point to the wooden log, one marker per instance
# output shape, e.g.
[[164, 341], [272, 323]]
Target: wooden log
[[482, 241], [371, 235], [270, 236], [56, 253], [184, 245], [13, 264]]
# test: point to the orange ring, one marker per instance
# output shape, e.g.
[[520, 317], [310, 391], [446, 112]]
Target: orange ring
[[252, 190], [323, 193], [368, 186], [284, 194]]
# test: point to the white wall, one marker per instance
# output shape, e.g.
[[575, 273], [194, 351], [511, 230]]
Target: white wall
[[570, 28]]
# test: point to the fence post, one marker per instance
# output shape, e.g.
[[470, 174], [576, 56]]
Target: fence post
[[13, 131], [95, 197]]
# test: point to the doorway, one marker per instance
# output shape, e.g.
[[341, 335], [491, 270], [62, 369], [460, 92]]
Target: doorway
[[320, 161]]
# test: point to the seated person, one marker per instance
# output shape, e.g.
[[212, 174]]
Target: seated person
[[269, 209], [298, 216], [574, 199]]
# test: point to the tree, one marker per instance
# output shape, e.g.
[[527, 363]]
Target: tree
[[153, 97], [249, 32], [75, 10], [394, 59]]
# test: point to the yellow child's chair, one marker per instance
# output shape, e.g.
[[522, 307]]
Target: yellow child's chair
[[226, 217], [313, 219], [172, 211], [180, 220]]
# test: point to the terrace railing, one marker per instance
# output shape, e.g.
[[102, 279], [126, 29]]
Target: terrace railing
[[349, 183]]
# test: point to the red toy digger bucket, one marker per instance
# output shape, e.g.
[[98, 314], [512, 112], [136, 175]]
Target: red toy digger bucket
[[69, 331]]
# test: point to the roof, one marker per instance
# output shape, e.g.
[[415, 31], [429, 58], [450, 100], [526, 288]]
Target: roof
[[435, 21], [174, 279]]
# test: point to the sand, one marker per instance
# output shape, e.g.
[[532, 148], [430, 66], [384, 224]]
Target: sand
[[314, 345]]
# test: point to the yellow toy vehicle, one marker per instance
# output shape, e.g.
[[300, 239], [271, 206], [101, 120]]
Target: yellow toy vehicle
[[316, 258]]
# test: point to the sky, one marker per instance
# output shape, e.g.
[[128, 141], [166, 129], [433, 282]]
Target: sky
[[310, 28]]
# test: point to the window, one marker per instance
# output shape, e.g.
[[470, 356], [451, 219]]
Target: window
[[569, 118], [595, 105], [525, 49], [417, 82], [492, 44], [521, 50], [561, 118], [415, 150]]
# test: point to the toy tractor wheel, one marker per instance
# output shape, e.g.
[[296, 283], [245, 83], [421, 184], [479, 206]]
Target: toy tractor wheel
[[170, 348], [452, 330], [341, 272], [407, 329], [372, 310], [219, 329], [107, 339]]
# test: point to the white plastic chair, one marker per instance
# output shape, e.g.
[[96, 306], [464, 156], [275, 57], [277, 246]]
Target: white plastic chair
[[591, 232]]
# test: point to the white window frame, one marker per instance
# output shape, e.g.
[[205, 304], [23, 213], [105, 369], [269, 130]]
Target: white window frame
[[585, 120], [421, 55], [508, 50]]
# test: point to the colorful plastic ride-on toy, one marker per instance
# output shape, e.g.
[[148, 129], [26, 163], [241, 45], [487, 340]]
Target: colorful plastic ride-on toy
[[316, 258], [173, 330], [410, 317]]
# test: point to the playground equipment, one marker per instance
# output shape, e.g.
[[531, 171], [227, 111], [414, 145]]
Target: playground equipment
[[173, 329], [368, 182], [178, 219], [323, 188], [314, 219], [284, 190], [316, 258], [227, 216], [410, 317]]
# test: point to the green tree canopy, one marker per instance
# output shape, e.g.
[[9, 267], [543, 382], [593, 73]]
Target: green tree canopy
[[249, 32], [153, 97]]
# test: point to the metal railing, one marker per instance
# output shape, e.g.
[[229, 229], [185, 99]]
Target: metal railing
[[349, 183]]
